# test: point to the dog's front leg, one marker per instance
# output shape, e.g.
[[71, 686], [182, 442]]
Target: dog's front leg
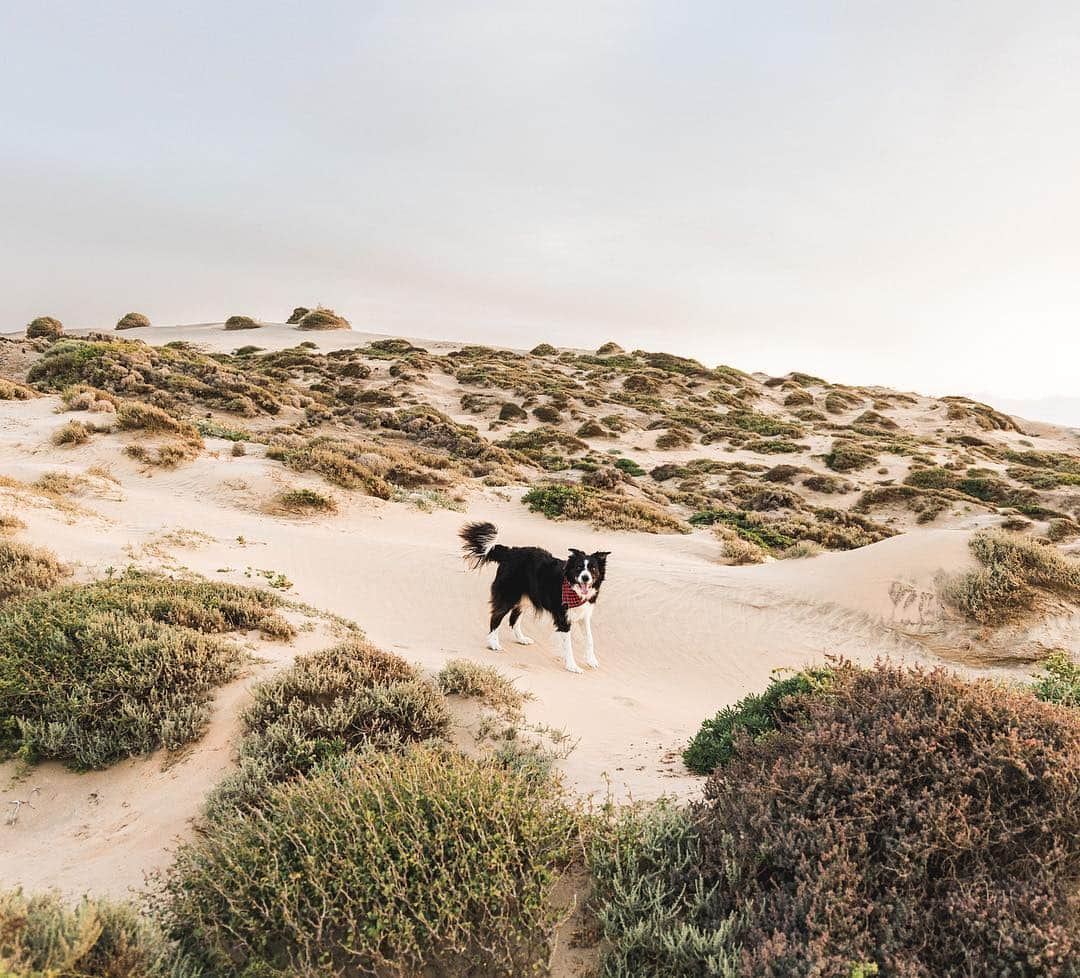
[[562, 638], [590, 653]]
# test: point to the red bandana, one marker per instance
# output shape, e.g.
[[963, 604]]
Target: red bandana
[[570, 597]]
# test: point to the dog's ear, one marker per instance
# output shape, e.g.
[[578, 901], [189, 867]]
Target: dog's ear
[[601, 557], [574, 550]]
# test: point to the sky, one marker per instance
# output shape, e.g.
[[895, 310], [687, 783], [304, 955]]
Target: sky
[[871, 192]]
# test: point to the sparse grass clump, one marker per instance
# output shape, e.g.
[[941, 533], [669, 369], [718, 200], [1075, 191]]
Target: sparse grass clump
[[565, 502], [24, 569], [9, 523], [93, 673], [42, 937], [463, 677], [304, 501], [328, 704], [44, 327], [1016, 571], [323, 318], [12, 391], [183, 439], [737, 550], [412, 863], [241, 322], [72, 433], [132, 320]]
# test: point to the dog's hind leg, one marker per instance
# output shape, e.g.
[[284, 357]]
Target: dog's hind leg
[[499, 610], [515, 623]]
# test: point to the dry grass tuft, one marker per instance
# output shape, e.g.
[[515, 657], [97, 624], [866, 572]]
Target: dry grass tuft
[[12, 391], [302, 502], [72, 433], [1016, 572], [463, 677], [25, 569]]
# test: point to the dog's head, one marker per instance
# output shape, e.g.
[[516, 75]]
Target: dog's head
[[585, 572]]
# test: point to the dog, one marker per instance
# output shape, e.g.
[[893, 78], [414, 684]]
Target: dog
[[566, 589]]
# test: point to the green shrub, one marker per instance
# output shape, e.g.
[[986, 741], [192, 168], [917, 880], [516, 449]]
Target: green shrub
[[419, 862], [44, 327], [629, 466], [754, 715], [1060, 680], [41, 937], [910, 823], [560, 502], [543, 350], [93, 673], [656, 915], [241, 322], [1016, 571], [848, 456], [609, 348], [463, 677], [24, 569], [132, 320], [328, 704], [798, 398], [773, 446]]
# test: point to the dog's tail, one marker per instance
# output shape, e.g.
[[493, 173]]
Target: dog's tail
[[479, 544]]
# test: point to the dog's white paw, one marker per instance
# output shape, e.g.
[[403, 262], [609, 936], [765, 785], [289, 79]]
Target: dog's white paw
[[592, 663], [574, 668], [523, 640], [493, 644]]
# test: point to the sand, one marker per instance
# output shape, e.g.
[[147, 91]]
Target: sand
[[678, 634]]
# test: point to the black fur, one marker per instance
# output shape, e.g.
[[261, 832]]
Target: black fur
[[529, 572]]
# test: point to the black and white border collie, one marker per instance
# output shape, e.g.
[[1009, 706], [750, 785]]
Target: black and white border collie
[[566, 589]]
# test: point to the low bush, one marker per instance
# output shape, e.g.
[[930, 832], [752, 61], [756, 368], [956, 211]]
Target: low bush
[[630, 467], [24, 569], [801, 550], [1016, 571], [9, 523], [323, 318], [754, 716], [44, 327], [563, 502], [241, 322], [674, 438], [463, 677], [296, 315], [42, 937], [737, 550], [782, 473], [609, 348], [511, 412], [543, 350], [132, 320], [327, 704], [547, 414], [848, 456], [93, 673], [905, 823], [417, 862]]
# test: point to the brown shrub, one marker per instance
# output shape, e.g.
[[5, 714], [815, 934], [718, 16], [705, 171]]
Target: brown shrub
[[903, 822], [322, 318], [44, 327], [297, 314], [12, 391], [24, 569], [132, 320], [241, 322]]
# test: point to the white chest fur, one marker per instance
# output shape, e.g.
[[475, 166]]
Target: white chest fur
[[583, 612]]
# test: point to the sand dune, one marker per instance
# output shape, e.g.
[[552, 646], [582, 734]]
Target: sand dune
[[678, 634]]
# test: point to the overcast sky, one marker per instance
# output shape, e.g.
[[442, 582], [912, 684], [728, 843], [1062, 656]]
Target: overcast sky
[[874, 192]]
